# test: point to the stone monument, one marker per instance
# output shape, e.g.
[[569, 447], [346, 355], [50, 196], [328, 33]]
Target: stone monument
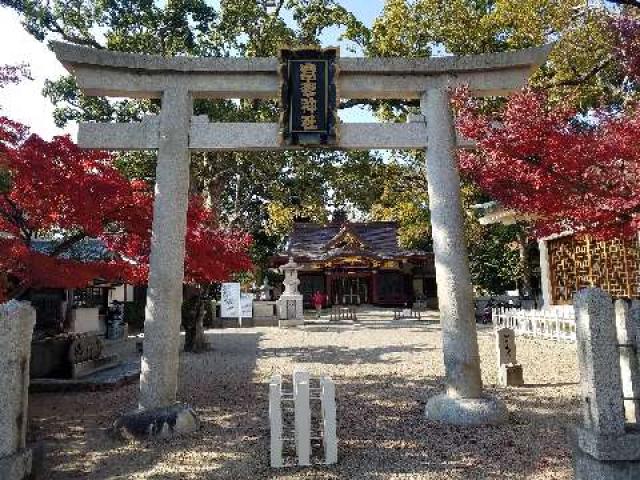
[[16, 327], [607, 448], [509, 370], [290, 307]]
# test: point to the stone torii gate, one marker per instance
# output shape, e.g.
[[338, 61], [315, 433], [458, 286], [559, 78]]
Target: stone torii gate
[[175, 133]]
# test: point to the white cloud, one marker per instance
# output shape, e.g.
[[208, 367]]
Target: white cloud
[[24, 102]]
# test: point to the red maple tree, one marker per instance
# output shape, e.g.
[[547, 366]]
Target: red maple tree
[[569, 171], [541, 160], [55, 189]]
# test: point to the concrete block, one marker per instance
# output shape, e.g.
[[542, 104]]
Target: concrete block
[[17, 320], [587, 467], [599, 363], [625, 447]]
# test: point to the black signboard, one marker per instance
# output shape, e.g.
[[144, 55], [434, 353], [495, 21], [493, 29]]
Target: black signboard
[[309, 96]]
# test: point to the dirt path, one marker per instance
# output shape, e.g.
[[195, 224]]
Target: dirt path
[[384, 372]]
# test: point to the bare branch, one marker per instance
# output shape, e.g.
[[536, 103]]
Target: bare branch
[[67, 243]]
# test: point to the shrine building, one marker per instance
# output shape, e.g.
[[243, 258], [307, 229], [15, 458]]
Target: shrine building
[[569, 262], [359, 263]]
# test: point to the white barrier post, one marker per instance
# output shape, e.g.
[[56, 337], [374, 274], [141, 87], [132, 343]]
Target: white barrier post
[[630, 373], [328, 401], [302, 416], [275, 418]]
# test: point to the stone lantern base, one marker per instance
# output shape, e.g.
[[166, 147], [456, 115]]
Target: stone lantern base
[[290, 310]]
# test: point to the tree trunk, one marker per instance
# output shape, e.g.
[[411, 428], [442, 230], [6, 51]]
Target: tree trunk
[[525, 266], [193, 313]]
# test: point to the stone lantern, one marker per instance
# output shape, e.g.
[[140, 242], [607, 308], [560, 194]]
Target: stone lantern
[[290, 306]]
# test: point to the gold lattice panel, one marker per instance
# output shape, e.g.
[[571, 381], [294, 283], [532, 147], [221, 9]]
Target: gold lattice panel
[[575, 263]]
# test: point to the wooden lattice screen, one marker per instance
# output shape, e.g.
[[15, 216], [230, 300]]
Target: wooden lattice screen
[[575, 263]]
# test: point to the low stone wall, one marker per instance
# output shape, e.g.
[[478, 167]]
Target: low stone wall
[[17, 320], [49, 357], [264, 315]]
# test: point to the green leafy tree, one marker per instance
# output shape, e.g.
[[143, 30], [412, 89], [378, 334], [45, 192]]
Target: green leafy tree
[[254, 191], [240, 186], [581, 72]]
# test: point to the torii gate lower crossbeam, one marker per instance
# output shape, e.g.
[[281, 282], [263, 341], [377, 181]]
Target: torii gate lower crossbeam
[[174, 133]]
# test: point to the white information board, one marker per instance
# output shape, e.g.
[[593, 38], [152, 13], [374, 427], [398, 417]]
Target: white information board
[[246, 301], [231, 299]]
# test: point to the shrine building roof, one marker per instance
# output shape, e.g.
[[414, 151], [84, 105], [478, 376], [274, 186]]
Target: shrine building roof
[[379, 240]]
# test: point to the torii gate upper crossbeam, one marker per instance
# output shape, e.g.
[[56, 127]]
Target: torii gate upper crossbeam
[[108, 73], [219, 137]]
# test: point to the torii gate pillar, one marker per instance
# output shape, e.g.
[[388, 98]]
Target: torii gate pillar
[[463, 402], [159, 366]]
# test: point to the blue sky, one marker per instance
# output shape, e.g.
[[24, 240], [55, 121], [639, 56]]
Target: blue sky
[[365, 10], [26, 104]]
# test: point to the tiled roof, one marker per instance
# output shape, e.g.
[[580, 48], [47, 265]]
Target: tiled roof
[[375, 239], [86, 250]]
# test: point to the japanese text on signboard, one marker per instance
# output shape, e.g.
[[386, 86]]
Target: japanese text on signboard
[[308, 96]]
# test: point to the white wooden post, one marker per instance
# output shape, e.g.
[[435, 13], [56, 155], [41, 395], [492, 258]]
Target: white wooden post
[[275, 419], [626, 331], [328, 401], [302, 416]]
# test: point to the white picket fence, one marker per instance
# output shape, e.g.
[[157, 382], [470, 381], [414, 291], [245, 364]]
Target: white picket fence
[[551, 323], [303, 396]]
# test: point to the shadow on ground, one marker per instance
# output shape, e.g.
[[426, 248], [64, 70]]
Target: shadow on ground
[[381, 428]]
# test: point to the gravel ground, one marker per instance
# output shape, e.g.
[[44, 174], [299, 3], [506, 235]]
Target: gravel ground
[[384, 372]]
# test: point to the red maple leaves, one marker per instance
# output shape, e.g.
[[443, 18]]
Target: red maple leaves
[[569, 172], [626, 33], [53, 188]]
